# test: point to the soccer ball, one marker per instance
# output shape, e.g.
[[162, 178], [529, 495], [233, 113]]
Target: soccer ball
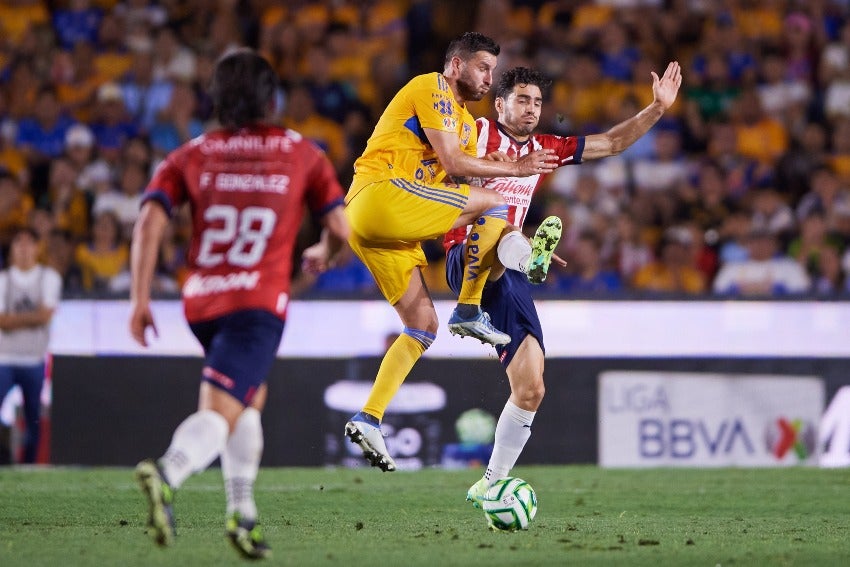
[[509, 505]]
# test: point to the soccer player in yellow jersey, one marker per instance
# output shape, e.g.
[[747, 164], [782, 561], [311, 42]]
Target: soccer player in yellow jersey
[[407, 188]]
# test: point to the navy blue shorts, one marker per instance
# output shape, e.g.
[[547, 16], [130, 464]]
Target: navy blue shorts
[[239, 349], [507, 300]]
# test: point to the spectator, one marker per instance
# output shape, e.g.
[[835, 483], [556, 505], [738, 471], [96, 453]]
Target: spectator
[[765, 273], [758, 136], [657, 179], [42, 137], [176, 123], [796, 166], [630, 251], [125, 202], [112, 126], [77, 85], [111, 60], [586, 274], [145, 96], [103, 259], [29, 295], [673, 271], [333, 99], [60, 257], [839, 158], [66, 202], [78, 22], [15, 207], [825, 194], [813, 244], [302, 117], [771, 212], [172, 60], [733, 237], [777, 93]]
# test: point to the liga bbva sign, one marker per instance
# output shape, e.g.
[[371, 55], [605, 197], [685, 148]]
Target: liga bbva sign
[[652, 419]]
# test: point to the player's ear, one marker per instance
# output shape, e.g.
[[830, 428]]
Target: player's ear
[[500, 104]]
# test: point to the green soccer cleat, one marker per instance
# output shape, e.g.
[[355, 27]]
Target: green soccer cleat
[[477, 491], [160, 500], [542, 247], [246, 537]]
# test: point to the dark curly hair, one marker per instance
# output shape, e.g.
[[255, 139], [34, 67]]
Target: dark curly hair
[[520, 76], [470, 43], [243, 88]]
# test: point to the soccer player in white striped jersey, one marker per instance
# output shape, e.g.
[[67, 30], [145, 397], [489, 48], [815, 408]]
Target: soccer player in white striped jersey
[[507, 296]]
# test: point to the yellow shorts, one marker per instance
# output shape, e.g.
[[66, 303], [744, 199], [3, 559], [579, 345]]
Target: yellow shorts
[[388, 221]]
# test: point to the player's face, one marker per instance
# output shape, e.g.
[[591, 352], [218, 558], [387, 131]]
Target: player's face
[[476, 75], [519, 113]]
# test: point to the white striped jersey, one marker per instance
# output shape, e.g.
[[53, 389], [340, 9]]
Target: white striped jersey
[[517, 191]]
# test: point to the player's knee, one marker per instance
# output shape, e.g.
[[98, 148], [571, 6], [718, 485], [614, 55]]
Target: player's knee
[[531, 394]]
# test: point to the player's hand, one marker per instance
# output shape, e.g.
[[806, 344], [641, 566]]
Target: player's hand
[[666, 88], [497, 156], [315, 259], [140, 319], [558, 260], [537, 162]]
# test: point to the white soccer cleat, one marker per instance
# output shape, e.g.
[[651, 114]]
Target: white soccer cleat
[[478, 327], [371, 442]]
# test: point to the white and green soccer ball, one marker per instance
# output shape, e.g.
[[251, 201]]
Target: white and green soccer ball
[[510, 504]]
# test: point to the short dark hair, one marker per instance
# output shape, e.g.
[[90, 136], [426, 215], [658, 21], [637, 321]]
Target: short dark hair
[[520, 76], [25, 231], [243, 87], [470, 43]]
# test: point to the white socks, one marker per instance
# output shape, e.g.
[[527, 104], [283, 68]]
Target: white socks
[[512, 431], [195, 444], [240, 462], [514, 251]]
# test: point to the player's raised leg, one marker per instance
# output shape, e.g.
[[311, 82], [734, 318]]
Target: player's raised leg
[[531, 257], [467, 319]]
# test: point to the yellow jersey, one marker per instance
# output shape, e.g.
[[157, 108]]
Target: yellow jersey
[[398, 147]]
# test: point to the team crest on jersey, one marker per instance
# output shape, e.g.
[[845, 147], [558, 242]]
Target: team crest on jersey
[[465, 133]]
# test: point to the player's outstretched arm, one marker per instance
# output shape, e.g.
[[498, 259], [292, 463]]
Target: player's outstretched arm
[[144, 250], [624, 134], [457, 163]]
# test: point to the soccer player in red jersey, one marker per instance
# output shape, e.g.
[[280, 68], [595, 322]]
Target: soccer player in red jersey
[[246, 184], [507, 295]]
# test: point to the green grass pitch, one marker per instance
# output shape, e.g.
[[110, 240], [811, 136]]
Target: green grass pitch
[[586, 516]]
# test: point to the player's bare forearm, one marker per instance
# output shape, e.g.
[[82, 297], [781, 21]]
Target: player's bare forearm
[[336, 230], [320, 256], [460, 164], [626, 133], [623, 135], [144, 250]]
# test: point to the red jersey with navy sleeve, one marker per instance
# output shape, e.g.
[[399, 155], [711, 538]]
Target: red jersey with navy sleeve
[[247, 190], [517, 191]]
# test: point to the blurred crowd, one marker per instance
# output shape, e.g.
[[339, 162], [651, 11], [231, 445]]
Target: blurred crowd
[[742, 190]]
